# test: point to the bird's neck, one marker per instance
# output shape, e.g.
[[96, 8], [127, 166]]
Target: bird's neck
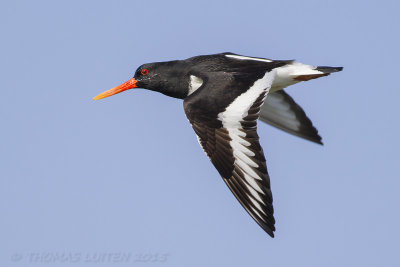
[[176, 87]]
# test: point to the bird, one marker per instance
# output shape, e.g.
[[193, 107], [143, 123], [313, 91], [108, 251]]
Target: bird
[[224, 95]]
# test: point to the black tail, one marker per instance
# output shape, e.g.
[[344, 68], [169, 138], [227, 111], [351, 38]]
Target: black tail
[[325, 69]]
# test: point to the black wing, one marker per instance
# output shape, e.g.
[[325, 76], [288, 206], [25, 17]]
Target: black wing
[[281, 111], [230, 140]]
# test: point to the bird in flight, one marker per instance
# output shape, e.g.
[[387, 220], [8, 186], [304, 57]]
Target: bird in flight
[[223, 97]]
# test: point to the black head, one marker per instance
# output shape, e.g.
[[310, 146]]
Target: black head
[[168, 78], [165, 77]]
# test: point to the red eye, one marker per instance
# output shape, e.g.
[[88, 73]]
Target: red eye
[[144, 71]]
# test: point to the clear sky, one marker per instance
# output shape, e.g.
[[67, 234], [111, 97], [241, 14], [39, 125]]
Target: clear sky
[[125, 177]]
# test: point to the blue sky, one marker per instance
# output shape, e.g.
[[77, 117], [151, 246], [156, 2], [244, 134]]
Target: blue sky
[[126, 174]]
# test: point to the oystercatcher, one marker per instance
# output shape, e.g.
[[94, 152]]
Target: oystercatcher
[[224, 96]]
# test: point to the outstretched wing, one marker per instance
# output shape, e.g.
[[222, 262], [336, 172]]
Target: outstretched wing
[[230, 140], [281, 111]]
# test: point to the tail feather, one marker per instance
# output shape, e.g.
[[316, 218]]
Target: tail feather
[[325, 72], [326, 69], [295, 72]]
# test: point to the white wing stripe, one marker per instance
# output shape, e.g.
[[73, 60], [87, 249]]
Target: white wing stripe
[[231, 120], [245, 167], [247, 151], [254, 193], [252, 183], [249, 58], [238, 109], [256, 212], [245, 158], [237, 139], [257, 205]]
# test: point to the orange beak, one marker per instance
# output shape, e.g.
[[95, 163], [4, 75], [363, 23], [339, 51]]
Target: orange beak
[[118, 89]]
